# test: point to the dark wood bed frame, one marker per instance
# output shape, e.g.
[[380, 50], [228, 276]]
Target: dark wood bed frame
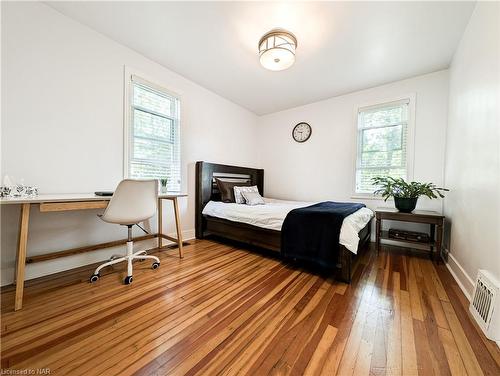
[[206, 190]]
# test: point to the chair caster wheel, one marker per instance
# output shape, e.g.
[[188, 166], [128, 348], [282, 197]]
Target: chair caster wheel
[[94, 278], [128, 280], [155, 265]]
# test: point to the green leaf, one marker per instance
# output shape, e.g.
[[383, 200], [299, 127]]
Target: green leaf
[[388, 186]]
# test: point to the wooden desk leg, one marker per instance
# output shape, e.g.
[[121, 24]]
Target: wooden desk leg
[[160, 222], [21, 255], [378, 228], [439, 241], [178, 227]]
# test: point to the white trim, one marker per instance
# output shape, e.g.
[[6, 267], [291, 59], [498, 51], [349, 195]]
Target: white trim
[[405, 100], [386, 100], [411, 99], [143, 80], [366, 196], [457, 280], [129, 76], [466, 284], [370, 196], [61, 264], [186, 235]]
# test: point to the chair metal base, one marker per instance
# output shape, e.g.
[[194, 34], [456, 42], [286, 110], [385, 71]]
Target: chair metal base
[[129, 258]]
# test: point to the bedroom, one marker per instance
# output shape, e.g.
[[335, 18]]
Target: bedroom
[[224, 298]]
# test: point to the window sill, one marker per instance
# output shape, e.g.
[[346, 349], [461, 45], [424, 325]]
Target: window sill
[[360, 196]]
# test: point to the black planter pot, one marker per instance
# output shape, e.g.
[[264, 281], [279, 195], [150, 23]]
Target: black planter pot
[[405, 205]]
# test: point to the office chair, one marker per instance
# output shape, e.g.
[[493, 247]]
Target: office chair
[[134, 201]]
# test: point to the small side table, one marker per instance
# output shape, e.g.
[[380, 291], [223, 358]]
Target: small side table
[[432, 218]]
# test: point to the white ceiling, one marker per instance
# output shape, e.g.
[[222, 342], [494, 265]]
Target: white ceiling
[[342, 46]]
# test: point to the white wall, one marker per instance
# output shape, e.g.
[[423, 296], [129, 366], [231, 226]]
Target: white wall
[[472, 150], [323, 168], [62, 128]]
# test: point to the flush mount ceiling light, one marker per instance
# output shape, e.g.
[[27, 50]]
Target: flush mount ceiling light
[[277, 49]]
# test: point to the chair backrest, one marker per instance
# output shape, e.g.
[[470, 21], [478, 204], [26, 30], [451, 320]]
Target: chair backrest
[[133, 201]]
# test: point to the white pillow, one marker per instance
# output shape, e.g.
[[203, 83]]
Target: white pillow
[[238, 198], [253, 198]]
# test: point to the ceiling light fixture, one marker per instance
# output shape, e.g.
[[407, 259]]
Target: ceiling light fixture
[[277, 49]]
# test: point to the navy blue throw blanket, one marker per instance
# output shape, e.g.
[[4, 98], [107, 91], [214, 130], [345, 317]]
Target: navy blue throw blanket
[[312, 233]]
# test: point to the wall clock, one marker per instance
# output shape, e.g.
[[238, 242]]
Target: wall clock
[[301, 132]]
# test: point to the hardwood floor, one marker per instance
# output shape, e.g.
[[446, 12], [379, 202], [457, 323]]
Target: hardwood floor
[[223, 310]]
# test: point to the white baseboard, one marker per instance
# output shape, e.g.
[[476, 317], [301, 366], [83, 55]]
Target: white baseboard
[[66, 263], [186, 235], [464, 281]]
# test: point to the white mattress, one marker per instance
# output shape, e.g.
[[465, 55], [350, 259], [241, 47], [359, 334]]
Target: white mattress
[[272, 215]]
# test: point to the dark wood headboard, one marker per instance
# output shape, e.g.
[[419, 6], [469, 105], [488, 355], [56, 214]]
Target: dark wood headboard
[[206, 188]]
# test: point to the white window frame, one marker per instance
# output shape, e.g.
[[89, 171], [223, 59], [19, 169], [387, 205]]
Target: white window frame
[[410, 138], [130, 75]]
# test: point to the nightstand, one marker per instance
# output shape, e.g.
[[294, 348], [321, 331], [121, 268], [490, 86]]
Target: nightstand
[[432, 218]]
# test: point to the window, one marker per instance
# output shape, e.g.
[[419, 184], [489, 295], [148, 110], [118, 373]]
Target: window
[[153, 149], [383, 134]]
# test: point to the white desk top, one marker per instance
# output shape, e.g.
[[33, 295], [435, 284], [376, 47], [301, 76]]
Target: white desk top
[[66, 197]]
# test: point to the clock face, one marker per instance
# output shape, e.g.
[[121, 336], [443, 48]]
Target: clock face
[[301, 132]]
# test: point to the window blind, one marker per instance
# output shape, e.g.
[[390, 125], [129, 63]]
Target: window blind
[[154, 145], [382, 143]]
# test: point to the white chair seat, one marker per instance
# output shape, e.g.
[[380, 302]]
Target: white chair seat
[[134, 201]]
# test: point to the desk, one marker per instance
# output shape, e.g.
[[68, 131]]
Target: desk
[[432, 218], [69, 202]]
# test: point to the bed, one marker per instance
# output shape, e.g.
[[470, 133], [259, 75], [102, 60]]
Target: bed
[[260, 226]]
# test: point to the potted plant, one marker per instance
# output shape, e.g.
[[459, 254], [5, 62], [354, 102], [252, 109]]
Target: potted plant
[[405, 194], [163, 183]]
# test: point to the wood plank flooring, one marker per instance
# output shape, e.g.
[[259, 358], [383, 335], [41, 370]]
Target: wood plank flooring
[[224, 310]]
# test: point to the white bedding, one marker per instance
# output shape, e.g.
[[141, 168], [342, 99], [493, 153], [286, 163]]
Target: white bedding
[[272, 215]]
